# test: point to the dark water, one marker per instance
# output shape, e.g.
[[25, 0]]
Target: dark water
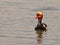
[[17, 22]]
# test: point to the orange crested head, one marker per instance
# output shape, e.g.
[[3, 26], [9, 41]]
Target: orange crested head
[[39, 15]]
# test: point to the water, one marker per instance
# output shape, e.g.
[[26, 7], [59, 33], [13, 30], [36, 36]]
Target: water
[[17, 22]]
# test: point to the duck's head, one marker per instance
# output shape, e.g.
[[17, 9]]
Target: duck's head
[[39, 15]]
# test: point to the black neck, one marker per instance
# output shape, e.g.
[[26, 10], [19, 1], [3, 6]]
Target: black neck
[[39, 21]]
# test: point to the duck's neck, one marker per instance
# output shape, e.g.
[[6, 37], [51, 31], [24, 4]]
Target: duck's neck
[[39, 21]]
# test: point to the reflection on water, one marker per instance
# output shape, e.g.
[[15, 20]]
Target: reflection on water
[[40, 36]]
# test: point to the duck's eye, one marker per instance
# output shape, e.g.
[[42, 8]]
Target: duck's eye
[[37, 14]]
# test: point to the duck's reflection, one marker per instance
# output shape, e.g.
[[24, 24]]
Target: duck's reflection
[[39, 36]]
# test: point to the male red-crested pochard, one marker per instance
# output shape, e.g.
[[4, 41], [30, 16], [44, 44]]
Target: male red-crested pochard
[[40, 25]]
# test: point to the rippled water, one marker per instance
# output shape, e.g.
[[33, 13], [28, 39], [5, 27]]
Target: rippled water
[[17, 22]]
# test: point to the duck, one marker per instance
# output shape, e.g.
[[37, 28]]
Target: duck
[[40, 25]]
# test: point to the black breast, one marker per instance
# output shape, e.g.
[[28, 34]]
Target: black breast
[[40, 27]]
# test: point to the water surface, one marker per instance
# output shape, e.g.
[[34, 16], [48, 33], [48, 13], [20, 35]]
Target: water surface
[[17, 22]]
